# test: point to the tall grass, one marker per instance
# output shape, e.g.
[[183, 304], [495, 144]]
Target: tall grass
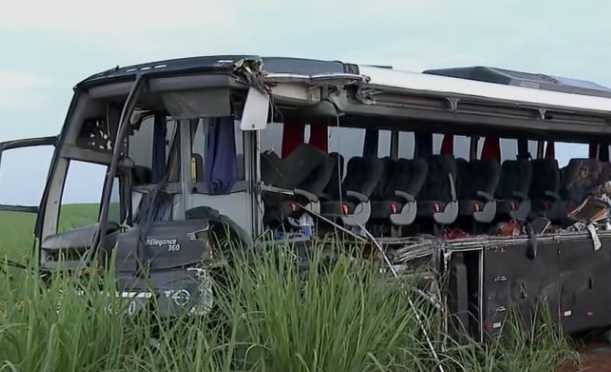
[[269, 317], [345, 318]]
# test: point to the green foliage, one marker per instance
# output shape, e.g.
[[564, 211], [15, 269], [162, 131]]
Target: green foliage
[[270, 317]]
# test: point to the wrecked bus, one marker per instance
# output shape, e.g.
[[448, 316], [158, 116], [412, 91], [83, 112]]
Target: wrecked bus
[[451, 168]]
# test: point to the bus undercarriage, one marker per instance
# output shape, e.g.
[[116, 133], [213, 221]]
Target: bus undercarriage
[[190, 149]]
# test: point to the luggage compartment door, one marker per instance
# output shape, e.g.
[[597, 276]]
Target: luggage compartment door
[[513, 278], [585, 284]]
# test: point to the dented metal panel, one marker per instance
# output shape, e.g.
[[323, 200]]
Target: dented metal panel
[[511, 279], [584, 278]]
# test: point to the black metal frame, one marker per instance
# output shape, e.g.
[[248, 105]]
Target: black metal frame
[[23, 143]]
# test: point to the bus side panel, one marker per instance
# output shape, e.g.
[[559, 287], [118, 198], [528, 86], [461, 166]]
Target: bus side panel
[[585, 279], [514, 280]]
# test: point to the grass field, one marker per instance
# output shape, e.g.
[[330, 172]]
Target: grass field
[[269, 321], [16, 228]]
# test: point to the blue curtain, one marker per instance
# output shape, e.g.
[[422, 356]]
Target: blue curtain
[[372, 139], [159, 136], [221, 161], [423, 144]]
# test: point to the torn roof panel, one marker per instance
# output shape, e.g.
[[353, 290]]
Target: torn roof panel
[[225, 62], [486, 83]]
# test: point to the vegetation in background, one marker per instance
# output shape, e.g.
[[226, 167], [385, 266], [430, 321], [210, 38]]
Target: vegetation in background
[[272, 317]]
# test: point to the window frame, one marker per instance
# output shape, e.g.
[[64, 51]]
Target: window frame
[[117, 189], [202, 128]]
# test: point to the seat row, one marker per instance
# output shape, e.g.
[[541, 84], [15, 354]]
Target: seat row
[[440, 188]]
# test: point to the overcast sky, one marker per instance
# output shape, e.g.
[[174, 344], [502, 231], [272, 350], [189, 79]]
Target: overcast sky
[[46, 47]]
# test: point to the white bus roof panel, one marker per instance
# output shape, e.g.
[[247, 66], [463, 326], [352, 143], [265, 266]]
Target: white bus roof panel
[[524, 79], [454, 86]]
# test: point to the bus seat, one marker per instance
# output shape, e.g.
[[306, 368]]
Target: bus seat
[[545, 187], [380, 191], [312, 188], [289, 172], [580, 178], [272, 169], [477, 181], [395, 199], [301, 162], [307, 194], [354, 205], [332, 190], [437, 199], [512, 192]]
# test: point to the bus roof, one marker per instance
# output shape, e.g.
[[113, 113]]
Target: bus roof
[[483, 83], [428, 82], [525, 79], [301, 66]]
